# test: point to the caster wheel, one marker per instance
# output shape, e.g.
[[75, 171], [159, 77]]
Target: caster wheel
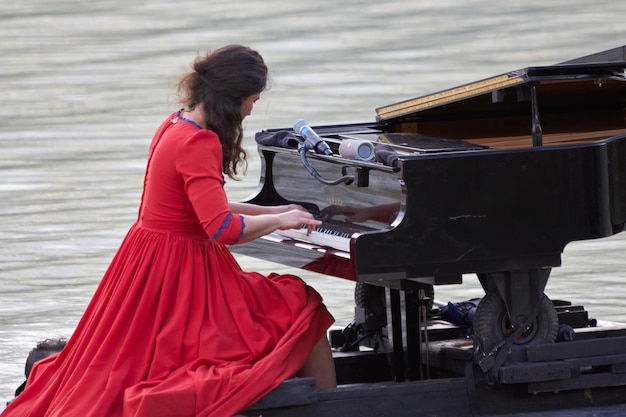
[[492, 324], [370, 298]]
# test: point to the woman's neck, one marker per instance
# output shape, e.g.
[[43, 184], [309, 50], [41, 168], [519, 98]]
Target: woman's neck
[[196, 114]]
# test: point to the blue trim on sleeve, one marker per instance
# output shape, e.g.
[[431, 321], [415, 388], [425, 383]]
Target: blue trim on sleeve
[[225, 224], [222, 227], [243, 226]]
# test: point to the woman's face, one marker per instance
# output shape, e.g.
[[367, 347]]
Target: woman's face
[[248, 104]]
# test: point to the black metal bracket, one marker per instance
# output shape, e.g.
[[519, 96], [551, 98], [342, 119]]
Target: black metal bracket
[[362, 175]]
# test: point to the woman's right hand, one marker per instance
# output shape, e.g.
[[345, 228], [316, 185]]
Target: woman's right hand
[[296, 218], [263, 224]]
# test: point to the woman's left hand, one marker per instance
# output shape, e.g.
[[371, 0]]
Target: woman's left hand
[[287, 207]]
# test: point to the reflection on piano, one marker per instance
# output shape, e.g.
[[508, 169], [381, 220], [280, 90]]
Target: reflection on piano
[[494, 178]]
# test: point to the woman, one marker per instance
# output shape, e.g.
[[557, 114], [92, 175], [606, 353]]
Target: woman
[[176, 328]]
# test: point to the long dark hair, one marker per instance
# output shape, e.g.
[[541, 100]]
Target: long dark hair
[[219, 82]]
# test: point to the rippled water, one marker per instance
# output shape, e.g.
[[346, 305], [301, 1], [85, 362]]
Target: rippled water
[[84, 84]]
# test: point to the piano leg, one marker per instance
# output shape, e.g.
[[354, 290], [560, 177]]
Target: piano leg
[[406, 313], [396, 332]]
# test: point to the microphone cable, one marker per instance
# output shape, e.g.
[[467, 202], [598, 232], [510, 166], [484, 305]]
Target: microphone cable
[[302, 148]]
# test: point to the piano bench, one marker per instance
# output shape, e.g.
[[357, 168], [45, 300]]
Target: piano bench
[[291, 392]]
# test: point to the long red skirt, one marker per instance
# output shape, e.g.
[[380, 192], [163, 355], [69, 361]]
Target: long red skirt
[[176, 328]]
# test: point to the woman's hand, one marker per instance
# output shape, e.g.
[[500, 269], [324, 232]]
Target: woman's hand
[[296, 218], [262, 220], [285, 208]]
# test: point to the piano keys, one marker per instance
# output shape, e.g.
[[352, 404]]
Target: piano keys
[[331, 234]]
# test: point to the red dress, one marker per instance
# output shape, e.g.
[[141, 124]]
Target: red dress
[[176, 328]]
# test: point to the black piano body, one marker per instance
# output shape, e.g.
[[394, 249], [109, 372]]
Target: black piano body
[[498, 175], [493, 178]]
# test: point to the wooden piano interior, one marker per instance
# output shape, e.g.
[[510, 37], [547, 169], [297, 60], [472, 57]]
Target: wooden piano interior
[[504, 142], [569, 111]]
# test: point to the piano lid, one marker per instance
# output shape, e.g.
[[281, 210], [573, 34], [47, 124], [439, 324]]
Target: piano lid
[[606, 66]]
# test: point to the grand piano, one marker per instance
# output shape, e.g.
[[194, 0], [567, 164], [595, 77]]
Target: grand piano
[[493, 178]]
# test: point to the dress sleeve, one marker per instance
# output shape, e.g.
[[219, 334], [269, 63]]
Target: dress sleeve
[[199, 161]]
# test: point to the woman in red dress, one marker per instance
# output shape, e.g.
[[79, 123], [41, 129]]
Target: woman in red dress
[[176, 327]]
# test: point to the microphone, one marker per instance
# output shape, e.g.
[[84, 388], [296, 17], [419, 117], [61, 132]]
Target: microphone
[[301, 127]]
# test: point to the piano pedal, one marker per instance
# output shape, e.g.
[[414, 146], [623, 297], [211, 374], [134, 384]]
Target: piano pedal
[[365, 330], [338, 337], [368, 329]]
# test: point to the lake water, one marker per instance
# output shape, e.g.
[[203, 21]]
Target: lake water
[[83, 85]]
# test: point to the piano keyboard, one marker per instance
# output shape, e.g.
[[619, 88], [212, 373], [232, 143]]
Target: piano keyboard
[[333, 234]]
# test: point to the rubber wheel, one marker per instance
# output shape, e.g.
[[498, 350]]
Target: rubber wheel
[[370, 297], [492, 324]]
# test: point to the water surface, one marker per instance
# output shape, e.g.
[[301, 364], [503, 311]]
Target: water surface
[[83, 85]]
